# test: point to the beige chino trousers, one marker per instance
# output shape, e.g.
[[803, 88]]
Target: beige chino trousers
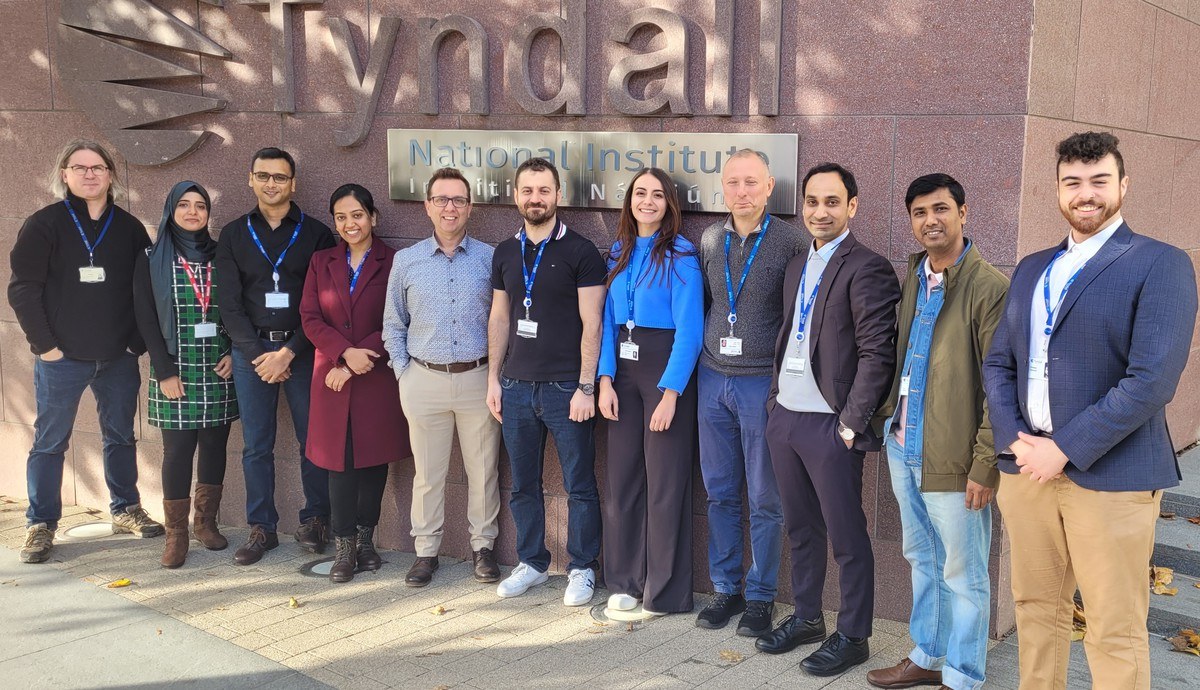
[[1064, 536], [437, 403]]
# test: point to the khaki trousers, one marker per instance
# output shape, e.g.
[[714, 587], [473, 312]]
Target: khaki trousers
[[435, 404], [1064, 536]]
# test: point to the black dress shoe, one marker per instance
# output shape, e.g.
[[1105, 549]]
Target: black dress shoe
[[756, 621], [421, 572], [838, 654], [313, 534], [791, 633], [486, 569], [718, 612]]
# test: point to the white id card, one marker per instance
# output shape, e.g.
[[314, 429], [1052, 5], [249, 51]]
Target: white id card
[[731, 346], [206, 330], [629, 351], [277, 300], [526, 328], [794, 366], [903, 386], [1038, 368], [91, 274]]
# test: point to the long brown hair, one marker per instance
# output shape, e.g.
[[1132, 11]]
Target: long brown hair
[[664, 245]]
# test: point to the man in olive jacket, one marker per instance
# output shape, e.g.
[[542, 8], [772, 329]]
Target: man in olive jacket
[[939, 441]]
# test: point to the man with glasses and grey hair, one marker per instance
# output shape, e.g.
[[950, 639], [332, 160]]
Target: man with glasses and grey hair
[[72, 291], [435, 330]]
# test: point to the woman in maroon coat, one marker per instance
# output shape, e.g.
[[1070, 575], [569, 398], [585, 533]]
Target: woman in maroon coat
[[356, 426]]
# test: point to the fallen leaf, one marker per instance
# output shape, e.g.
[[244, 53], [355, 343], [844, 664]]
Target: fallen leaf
[[123, 582], [293, 603], [1167, 515], [1197, 585], [1077, 635], [1187, 641], [1194, 520], [1160, 578], [730, 656], [438, 610], [594, 631], [1164, 590], [1078, 623], [160, 631]]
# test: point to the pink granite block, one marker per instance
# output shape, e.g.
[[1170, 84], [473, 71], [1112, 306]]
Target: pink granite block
[[893, 583], [17, 439], [1054, 53], [1115, 92], [1183, 413], [1176, 78], [321, 85], [9, 227], [1193, 10], [1041, 224], [244, 81], [506, 541], [25, 81], [1150, 165], [1185, 203]]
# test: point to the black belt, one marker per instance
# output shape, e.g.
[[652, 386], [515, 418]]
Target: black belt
[[276, 336], [453, 368]]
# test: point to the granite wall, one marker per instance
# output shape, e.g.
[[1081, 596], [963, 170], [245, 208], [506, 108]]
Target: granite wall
[[891, 88]]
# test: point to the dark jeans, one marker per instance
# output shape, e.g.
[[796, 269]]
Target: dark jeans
[[258, 402], [530, 409], [179, 446], [58, 387]]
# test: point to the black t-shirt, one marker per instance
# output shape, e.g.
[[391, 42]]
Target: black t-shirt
[[569, 262]]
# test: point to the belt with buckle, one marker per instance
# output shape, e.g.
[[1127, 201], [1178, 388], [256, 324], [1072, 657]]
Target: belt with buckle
[[276, 336], [454, 368]]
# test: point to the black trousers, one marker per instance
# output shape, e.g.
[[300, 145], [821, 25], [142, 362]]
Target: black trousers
[[820, 481], [355, 495], [179, 446], [648, 505]]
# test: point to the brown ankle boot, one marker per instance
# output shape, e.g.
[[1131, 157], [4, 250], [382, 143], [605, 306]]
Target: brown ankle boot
[[367, 557], [345, 561], [176, 522], [204, 525]]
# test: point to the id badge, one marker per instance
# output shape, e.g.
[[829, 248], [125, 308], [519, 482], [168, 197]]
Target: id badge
[[731, 346], [277, 300], [1038, 368], [903, 386], [527, 328], [206, 330], [91, 274], [794, 366], [629, 351]]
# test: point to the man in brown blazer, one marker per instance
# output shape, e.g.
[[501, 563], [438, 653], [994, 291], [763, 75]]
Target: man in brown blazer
[[834, 360]]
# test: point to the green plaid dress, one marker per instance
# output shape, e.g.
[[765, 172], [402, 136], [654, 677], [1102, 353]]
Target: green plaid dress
[[208, 399]]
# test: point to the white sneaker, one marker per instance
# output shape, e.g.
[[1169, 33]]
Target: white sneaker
[[622, 602], [520, 580], [581, 584]]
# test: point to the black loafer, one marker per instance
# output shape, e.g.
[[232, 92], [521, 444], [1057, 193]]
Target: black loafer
[[837, 655], [791, 633], [718, 612]]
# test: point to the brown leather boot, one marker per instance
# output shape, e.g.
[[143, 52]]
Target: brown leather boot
[[368, 558], [204, 524], [345, 561], [176, 548]]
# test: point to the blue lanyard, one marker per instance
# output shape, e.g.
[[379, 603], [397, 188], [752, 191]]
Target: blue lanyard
[[733, 296], [1046, 290], [806, 307], [263, 250], [531, 276], [355, 272], [631, 278], [91, 248]]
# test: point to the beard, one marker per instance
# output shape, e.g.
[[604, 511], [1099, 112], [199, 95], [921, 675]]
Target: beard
[[536, 215], [1089, 226]]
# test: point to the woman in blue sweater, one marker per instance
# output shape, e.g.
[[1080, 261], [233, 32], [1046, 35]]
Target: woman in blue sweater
[[653, 331]]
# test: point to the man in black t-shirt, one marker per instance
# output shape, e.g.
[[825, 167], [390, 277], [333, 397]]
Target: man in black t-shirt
[[544, 340]]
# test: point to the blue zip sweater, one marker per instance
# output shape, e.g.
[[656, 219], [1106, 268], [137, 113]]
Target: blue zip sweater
[[674, 300]]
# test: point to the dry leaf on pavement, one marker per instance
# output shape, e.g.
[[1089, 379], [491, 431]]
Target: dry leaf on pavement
[[1187, 641], [438, 610], [1167, 515], [731, 656], [1194, 520], [123, 582], [1159, 579], [293, 603], [1078, 623]]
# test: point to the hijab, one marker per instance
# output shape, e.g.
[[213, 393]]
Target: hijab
[[196, 247]]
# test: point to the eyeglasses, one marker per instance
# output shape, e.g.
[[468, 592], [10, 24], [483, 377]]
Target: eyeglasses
[[458, 201], [279, 178], [82, 170]]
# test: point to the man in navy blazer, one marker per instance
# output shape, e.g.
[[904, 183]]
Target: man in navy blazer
[[1095, 335]]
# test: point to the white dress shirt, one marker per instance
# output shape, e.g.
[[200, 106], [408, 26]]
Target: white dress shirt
[[800, 393], [1077, 254]]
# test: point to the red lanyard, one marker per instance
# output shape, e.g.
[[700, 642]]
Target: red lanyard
[[205, 297]]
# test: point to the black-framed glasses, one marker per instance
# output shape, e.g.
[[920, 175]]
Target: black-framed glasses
[[279, 178], [82, 170], [458, 201]]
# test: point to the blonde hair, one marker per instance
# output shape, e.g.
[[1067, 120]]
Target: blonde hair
[[116, 189]]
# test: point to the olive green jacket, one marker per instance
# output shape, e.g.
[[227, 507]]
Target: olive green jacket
[[958, 434]]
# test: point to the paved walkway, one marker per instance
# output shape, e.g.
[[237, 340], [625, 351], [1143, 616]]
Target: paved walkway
[[217, 625]]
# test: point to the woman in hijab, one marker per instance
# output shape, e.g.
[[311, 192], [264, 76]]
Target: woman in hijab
[[191, 396]]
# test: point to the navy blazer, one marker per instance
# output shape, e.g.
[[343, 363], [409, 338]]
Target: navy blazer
[[1118, 348]]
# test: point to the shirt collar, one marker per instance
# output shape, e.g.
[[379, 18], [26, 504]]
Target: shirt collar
[[929, 271], [293, 213], [730, 228], [1092, 244], [462, 245], [560, 229], [825, 253]]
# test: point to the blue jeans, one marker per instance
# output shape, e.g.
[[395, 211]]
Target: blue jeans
[[733, 454], [530, 409], [58, 387], [947, 546], [258, 402]]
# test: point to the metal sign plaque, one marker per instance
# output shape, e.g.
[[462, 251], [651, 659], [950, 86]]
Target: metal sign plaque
[[595, 167]]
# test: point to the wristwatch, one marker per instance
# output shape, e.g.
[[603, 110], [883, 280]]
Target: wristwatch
[[845, 432], [587, 388]]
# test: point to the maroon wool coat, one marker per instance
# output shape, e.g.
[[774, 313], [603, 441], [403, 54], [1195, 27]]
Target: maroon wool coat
[[334, 320]]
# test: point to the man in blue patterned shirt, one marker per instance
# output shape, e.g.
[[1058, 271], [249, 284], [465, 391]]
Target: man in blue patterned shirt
[[435, 330]]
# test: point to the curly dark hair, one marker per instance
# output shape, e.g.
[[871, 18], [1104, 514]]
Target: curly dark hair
[[1090, 147]]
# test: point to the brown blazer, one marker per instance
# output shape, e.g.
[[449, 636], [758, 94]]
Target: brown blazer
[[852, 336]]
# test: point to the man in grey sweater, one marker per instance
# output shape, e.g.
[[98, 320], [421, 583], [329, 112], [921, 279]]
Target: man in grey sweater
[[743, 258]]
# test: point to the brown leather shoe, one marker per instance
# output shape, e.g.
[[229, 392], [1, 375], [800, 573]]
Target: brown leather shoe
[[313, 534], [259, 542], [486, 569], [345, 562], [204, 522], [368, 558], [176, 522], [421, 572], [905, 674]]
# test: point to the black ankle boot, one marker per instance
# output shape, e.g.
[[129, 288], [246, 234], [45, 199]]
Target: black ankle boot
[[368, 557], [344, 561]]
